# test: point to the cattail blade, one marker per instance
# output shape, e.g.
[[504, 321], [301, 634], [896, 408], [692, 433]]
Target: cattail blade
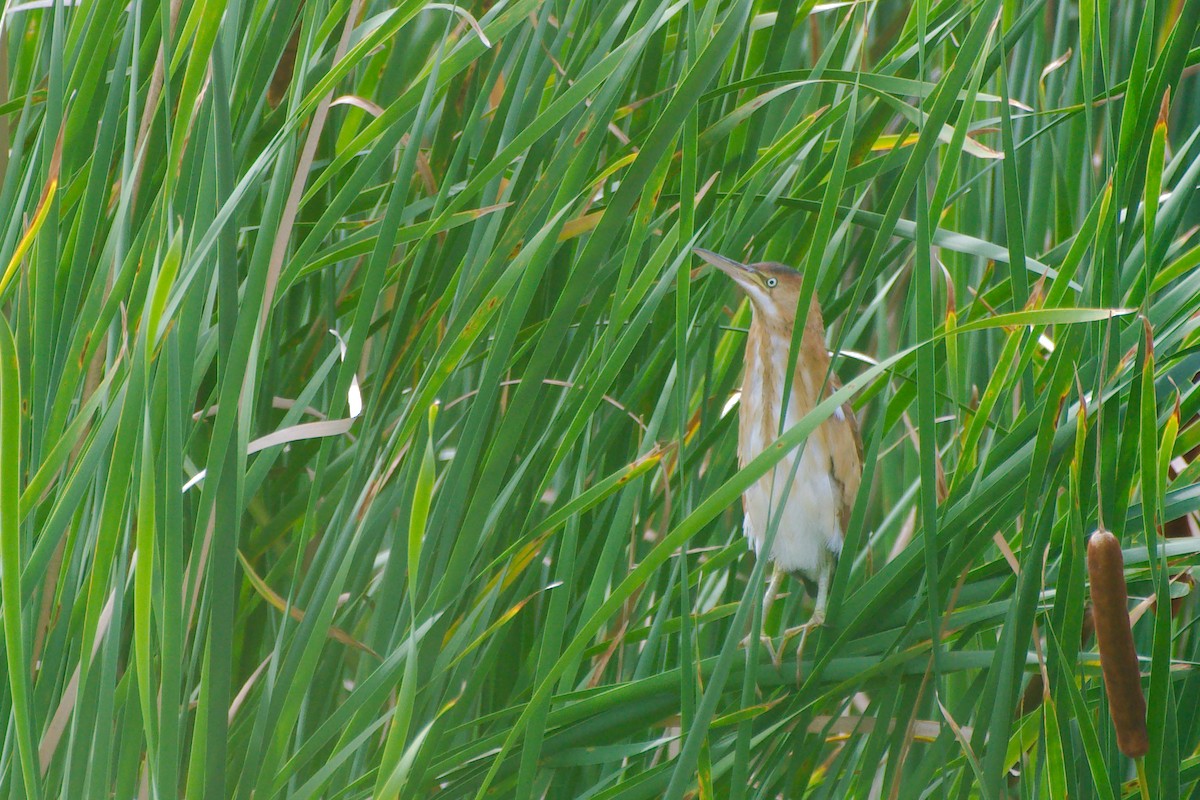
[[1114, 636]]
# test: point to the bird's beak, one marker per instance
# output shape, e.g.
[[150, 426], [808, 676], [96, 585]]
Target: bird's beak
[[742, 274]]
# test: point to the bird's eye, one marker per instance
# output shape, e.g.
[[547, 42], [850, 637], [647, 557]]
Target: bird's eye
[[771, 283]]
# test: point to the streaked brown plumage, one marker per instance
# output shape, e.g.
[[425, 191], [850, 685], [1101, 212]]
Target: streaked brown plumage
[[813, 508]]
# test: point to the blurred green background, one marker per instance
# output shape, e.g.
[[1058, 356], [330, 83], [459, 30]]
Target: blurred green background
[[485, 540]]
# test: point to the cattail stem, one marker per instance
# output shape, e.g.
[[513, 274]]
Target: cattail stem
[[1114, 636], [1143, 784]]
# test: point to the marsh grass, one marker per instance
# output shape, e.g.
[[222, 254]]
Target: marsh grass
[[539, 589]]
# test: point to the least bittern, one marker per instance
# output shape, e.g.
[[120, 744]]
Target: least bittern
[[812, 499]]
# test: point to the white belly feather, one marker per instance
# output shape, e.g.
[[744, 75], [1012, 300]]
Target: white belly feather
[[803, 503]]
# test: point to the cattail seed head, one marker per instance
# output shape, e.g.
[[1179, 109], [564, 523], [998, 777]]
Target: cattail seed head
[[281, 80], [1114, 636]]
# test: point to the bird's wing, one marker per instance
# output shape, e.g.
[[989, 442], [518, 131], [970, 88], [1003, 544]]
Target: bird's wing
[[845, 443]]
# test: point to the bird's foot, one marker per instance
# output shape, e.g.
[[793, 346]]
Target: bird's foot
[[768, 645], [816, 621]]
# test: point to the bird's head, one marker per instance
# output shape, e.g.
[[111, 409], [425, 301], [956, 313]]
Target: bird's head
[[773, 288]]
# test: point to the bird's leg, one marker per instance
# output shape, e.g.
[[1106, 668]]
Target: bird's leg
[[772, 592], [815, 621], [768, 601]]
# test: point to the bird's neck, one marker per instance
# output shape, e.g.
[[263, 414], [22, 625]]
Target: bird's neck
[[765, 381]]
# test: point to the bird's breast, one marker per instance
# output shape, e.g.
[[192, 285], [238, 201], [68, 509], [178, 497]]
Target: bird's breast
[[799, 490]]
